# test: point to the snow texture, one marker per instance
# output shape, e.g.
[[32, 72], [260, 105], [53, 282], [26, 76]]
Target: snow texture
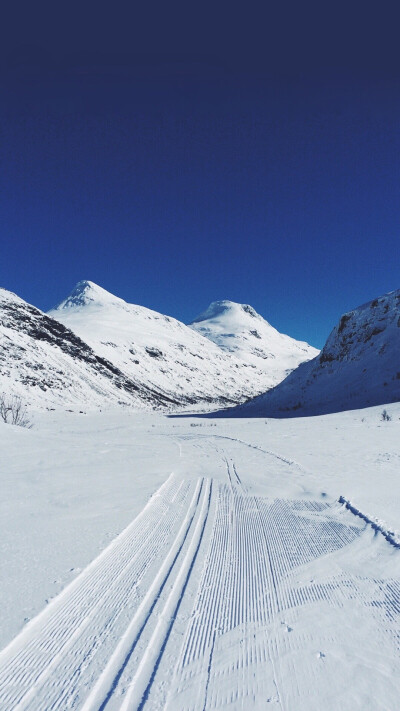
[[239, 329], [240, 583]]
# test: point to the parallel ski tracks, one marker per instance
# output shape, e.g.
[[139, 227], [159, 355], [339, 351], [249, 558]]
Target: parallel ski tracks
[[47, 660], [103, 642]]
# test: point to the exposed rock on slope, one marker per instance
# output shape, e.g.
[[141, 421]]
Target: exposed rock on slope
[[359, 366], [158, 351], [95, 348], [47, 364]]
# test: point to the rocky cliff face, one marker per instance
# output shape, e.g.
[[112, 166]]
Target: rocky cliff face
[[359, 366]]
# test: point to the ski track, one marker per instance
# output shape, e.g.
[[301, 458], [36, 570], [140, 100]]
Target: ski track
[[245, 586], [50, 657], [106, 640]]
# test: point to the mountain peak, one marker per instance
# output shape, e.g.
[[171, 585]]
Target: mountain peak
[[87, 293], [239, 329], [226, 308], [357, 367]]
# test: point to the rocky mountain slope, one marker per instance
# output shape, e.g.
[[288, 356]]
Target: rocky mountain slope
[[240, 330], [49, 365], [158, 351], [359, 366]]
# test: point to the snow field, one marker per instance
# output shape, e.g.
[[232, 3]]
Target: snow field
[[85, 617], [241, 584], [228, 656], [106, 641]]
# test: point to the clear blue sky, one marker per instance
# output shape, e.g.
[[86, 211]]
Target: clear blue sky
[[176, 161]]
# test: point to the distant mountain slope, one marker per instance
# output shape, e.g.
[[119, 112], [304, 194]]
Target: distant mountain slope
[[359, 366], [240, 330], [158, 351], [47, 364]]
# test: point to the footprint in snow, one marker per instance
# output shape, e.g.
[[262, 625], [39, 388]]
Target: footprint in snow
[[287, 628]]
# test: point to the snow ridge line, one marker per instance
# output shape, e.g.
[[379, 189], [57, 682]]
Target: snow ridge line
[[388, 535], [25, 634], [109, 677], [138, 688]]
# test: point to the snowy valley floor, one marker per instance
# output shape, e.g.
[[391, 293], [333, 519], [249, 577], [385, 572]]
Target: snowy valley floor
[[237, 581]]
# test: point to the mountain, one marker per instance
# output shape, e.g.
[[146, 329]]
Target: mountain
[[94, 349], [158, 351], [48, 365], [238, 329], [359, 366]]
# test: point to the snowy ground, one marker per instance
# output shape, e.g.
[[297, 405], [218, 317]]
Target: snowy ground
[[241, 583]]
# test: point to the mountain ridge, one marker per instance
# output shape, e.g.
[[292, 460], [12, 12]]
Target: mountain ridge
[[240, 330], [160, 350], [359, 366]]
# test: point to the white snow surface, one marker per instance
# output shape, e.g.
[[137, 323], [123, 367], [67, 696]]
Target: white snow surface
[[239, 329], [237, 580], [46, 365], [359, 366], [173, 359]]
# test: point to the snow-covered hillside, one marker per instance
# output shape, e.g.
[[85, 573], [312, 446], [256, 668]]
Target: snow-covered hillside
[[239, 329], [48, 365], [359, 366], [165, 354]]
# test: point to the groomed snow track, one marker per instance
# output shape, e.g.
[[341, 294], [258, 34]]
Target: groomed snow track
[[196, 606]]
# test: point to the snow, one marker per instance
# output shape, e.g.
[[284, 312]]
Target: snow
[[95, 350], [242, 581], [239, 329], [88, 293], [159, 352], [358, 367], [48, 366], [192, 562]]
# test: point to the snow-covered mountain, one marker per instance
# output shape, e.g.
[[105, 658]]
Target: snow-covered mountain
[[49, 365], [95, 348], [158, 351], [359, 366], [240, 330]]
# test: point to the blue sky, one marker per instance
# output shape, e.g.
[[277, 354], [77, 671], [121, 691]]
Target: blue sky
[[188, 170]]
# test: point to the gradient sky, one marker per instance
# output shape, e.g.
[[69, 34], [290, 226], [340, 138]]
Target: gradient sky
[[176, 159]]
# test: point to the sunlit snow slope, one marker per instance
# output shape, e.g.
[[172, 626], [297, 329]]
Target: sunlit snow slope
[[359, 366], [163, 353], [239, 329], [48, 365]]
